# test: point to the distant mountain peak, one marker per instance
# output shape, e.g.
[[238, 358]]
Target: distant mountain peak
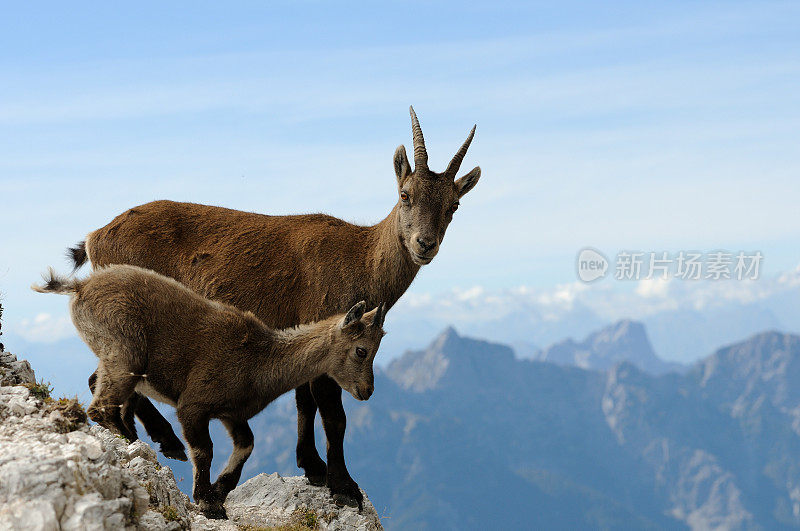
[[421, 370], [625, 328], [624, 340], [765, 365], [448, 336]]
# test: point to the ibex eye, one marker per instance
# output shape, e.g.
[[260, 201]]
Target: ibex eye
[[404, 195], [361, 352], [454, 207]]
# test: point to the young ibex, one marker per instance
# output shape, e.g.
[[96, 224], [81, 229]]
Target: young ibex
[[210, 360], [289, 270]]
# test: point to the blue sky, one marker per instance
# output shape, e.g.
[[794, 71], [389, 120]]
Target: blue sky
[[620, 125]]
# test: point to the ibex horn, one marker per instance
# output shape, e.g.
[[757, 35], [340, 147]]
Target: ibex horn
[[455, 164], [420, 155]]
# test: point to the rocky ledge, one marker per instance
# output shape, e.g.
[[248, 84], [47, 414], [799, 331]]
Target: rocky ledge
[[57, 472]]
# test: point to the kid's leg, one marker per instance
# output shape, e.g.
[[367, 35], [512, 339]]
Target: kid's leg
[[242, 448], [194, 422]]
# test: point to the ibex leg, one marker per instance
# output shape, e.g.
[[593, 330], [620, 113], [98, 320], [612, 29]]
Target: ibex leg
[[328, 396]]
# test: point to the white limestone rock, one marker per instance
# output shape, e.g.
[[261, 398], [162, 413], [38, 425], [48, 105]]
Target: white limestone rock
[[75, 480], [271, 500], [13, 371], [50, 480]]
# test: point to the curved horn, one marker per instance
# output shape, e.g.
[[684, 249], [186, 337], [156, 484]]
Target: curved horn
[[420, 155], [455, 164], [377, 321]]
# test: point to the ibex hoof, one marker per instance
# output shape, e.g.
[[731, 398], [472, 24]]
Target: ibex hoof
[[344, 499], [317, 481], [346, 493], [173, 452], [170, 445], [314, 468], [214, 512]]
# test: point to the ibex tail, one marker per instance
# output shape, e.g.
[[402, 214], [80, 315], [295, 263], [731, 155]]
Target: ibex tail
[[54, 283], [78, 255]]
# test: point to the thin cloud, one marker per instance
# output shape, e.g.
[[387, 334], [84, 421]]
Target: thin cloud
[[44, 328]]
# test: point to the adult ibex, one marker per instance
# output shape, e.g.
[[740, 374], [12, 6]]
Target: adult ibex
[[208, 359], [289, 270]]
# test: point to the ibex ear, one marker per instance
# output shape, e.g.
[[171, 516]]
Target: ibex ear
[[354, 315], [402, 168], [468, 182]]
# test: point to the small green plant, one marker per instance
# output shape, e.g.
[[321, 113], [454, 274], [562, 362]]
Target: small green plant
[[309, 519], [71, 404], [73, 416], [40, 389], [170, 513], [149, 488], [304, 518]]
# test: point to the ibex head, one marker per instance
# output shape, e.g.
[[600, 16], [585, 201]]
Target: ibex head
[[428, 199], [356, 339]]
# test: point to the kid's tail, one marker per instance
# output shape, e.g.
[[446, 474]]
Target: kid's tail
[[55, 283], [78, 255]]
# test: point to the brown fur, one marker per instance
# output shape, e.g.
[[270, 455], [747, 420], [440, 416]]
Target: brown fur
[[292, 269], [208, 359]]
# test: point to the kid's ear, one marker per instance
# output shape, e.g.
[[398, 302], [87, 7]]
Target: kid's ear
[[402, 168], [354, 315]]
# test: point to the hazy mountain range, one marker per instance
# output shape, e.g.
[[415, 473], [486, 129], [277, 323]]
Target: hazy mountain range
[[685, 320]]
